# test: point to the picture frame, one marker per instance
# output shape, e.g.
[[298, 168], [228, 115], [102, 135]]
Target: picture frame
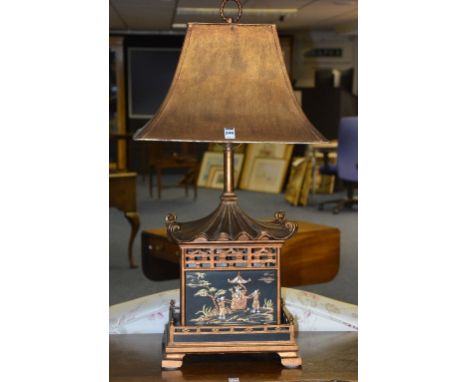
[[262, 150], [297, 175], [216, 159], [268, 175], [306, 184], [216, 177], [324, 184]]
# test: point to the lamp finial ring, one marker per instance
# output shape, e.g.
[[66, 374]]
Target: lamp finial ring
[[229, 19]]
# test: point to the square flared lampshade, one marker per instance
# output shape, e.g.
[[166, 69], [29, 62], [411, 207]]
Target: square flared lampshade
[[231, 85]]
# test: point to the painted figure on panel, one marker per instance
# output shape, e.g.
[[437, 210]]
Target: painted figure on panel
[[256, 301], [243, 307], [238, 293], [221, 308]]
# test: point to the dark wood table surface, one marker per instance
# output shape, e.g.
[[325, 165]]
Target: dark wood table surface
[[326, 356]]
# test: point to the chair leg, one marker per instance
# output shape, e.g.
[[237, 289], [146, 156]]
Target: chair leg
[[339, 206], [342, 203], [334, 201]]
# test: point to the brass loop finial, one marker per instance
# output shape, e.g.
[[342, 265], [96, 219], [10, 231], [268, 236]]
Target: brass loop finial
[[229, 19]]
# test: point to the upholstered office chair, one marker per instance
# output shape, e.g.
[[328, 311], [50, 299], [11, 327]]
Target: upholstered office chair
[[346, 168]]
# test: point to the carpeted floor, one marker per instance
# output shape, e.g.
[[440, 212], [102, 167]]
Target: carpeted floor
[[126, 283]]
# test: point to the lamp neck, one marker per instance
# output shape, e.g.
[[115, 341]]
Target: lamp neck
[[228, 172]]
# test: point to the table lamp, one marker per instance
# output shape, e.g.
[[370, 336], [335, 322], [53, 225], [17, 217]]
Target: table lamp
[[230, 87]]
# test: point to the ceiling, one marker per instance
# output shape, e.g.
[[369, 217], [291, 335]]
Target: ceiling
[[165, 15]]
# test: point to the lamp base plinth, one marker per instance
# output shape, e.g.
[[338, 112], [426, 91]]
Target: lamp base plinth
[[291, 360], [172, 361], [179, 340]]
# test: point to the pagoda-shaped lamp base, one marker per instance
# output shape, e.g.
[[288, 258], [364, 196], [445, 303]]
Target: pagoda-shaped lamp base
[[230, 292], [180, 340]]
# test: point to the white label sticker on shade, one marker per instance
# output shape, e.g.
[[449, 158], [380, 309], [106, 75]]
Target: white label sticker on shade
[[229, 133]]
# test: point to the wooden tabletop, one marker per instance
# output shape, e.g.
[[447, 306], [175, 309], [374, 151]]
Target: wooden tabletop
[[326, 356], [325, 145], [120, 174]]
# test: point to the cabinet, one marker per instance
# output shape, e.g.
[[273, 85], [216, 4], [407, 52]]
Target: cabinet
[[117, 113]]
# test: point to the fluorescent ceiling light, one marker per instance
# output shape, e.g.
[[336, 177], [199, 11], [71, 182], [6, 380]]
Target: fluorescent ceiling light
[[251, 11]]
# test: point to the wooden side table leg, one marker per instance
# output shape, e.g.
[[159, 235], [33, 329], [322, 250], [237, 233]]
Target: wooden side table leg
[[134, 220], [195, 179], [159, 182], [314, 178], [150, 175]]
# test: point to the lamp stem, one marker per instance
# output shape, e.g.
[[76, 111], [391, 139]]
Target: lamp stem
[[228, 170]]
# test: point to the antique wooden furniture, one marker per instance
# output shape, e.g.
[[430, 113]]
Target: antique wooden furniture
[[311, 256], [159, 256], [117, 114], [230, 87], [326, 356], [122, 195], [160, 161]]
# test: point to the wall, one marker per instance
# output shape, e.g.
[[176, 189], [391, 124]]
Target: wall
[[304, 67], [139, 153]]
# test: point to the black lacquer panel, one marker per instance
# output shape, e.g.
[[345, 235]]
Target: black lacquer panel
[[247, 337], [231, 297]]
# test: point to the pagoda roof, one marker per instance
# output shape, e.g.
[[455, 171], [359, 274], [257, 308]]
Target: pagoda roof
[[238, 280], [229, 223]]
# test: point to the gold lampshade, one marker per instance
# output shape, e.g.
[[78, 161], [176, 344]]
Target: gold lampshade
[[231, 85]]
